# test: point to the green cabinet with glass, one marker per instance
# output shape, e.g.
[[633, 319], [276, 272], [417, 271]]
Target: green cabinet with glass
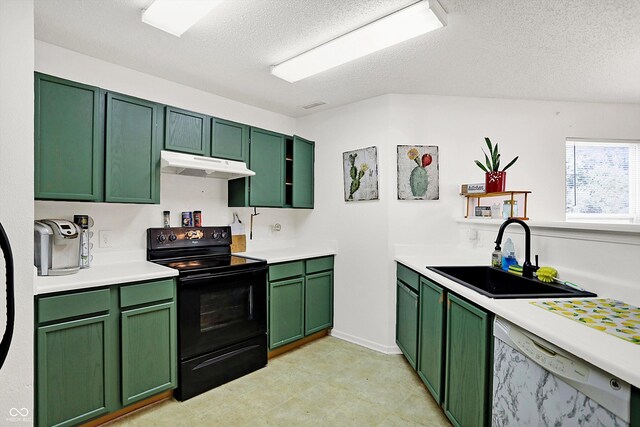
[[100, 350]]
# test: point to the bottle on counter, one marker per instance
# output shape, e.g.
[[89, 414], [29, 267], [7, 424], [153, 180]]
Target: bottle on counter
[[496, 257], [187, 219], [166, 215], [508, 255], [197, 218]]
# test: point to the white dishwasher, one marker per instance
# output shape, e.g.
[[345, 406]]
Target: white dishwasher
[[538, 384]]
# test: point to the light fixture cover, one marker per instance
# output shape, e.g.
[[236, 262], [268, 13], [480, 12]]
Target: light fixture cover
[[407, 23], [177, 16]]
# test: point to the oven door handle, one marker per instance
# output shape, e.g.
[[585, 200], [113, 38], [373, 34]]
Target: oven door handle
[[206, 276]]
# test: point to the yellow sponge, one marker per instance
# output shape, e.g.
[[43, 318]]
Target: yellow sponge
[[546, 274]]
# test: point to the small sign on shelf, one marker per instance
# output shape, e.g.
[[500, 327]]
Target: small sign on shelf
[[472, 189]]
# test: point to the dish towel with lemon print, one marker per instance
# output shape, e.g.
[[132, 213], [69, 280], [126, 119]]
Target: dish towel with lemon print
[[605, 314]]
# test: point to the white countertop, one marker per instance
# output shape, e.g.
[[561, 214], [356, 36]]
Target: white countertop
[[102, 275], [293, 253], [612, 354]]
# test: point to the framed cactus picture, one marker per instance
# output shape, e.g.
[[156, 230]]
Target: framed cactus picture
[[360, 174], [418, 176]]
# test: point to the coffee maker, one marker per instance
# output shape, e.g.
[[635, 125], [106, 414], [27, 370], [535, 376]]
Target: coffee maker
[[56, 247]]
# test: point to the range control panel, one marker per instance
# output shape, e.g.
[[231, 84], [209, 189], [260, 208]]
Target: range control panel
[[188, 237]]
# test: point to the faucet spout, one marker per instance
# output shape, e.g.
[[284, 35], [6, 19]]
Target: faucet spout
[[527, 268]]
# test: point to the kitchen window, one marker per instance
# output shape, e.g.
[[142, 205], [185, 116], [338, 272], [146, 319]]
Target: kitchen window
[[603, 180]]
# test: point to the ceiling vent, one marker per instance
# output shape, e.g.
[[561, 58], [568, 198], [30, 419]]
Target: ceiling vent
[[314, 105]]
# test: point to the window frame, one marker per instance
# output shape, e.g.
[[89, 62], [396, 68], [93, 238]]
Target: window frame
[[633, 217]]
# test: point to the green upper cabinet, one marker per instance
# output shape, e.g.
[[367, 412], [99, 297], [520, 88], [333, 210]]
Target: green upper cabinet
[[132, 151], [303, 167], [186, 132], [229, 140], [431, 337], [467, 385], [68, 141], [267, 161]]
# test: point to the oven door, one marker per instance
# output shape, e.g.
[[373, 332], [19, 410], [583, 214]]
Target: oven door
[[218, 310]]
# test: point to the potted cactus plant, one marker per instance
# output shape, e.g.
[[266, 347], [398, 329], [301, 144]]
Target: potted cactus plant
[[495, 179]]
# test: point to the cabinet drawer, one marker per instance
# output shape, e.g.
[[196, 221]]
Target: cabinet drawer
[[409, 277], [287, 269], [146, 293], [319, 264], [72, 305]]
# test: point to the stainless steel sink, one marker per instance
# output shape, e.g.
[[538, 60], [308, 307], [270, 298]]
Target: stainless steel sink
[[496, 283]]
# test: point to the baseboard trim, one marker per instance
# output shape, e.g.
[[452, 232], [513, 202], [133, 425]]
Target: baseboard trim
[[386, 349]]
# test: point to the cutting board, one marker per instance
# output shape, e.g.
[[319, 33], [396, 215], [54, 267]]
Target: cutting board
[[604, 314], [238, 243], [238, 238]]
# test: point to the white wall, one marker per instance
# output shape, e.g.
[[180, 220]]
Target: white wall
[[178, 193], [16, 196], [534, 130]]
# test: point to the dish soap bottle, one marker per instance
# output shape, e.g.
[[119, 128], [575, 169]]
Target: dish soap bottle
[[496, 257], [508, 255]]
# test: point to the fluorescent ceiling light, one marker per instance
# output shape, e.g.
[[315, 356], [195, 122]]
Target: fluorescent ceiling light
[[407, 23], [177, 16]]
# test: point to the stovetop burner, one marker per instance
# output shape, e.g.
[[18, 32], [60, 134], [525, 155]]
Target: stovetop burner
[[215, 263], [196, 250]]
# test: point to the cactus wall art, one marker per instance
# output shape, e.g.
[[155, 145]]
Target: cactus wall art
[[418, 175], [360, 174]]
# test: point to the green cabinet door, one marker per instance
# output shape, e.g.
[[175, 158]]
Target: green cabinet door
[[303, 166], [148, 351], [68, 143], [73, 373], [266, 187], [318, 302], [229, 140], [132, 151], [407, 322], [286, 311], [467, 387], [430, 337], [186, 132]]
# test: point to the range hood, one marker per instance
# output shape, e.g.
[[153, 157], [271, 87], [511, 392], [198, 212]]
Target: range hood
[[210, 167]]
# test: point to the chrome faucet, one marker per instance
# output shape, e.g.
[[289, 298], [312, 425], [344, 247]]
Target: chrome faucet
[[527, 268]]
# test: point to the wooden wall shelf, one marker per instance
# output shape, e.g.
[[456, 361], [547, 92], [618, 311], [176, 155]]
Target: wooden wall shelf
[[511, 194]]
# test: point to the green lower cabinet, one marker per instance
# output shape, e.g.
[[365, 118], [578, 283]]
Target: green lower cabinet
[[123, 350], [73, 375], [318, 301], [407, 322], [286, 311], [132, 162], [431, 337], [467, 379], [148, 351]]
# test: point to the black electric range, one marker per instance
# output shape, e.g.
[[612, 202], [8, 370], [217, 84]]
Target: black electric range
[[222, 306]]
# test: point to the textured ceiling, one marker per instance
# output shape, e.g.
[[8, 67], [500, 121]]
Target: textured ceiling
[[574, 50]]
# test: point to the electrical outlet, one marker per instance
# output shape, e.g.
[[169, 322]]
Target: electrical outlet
[[106, 238]]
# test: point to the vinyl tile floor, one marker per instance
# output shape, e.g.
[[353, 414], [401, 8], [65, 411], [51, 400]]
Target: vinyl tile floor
[[328, 382]]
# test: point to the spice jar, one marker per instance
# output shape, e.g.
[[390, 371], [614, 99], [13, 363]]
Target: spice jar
[[506, 209]]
